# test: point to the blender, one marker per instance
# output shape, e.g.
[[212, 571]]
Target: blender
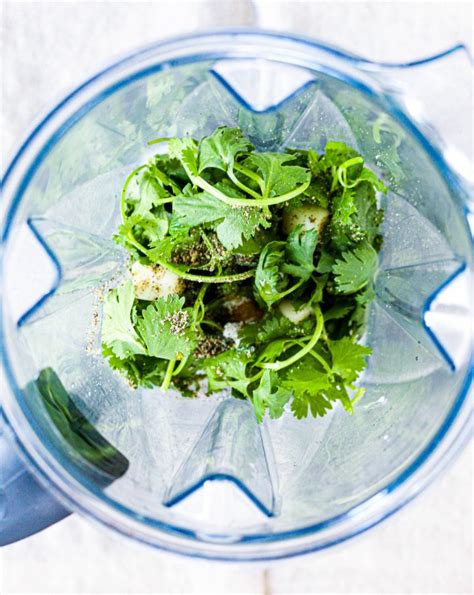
[[200, 476]]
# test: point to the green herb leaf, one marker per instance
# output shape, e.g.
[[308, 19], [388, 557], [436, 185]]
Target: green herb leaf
[[228, 370], [348, 358], [270, 396], [118, 332], [300, 248], [166, 329], [232, 224], [269, 279], [356, 268], [220, 149], [276, 176]]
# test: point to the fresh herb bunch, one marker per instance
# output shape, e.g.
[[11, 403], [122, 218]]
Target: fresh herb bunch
[[250, 269]]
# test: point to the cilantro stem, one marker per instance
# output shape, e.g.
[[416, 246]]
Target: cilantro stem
[[156, 141], [318, 357], [205, 278], [181, 365], [279, 365], [248, 172], [291, 289], [247, 202], [169, 373], [212, 324], [199, 308], [190, 276], [124, 191], [255, 377], [242, 186], [342, 172]]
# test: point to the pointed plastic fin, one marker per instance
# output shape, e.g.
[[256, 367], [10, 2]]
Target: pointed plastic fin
[[399, 355], [404, 293], [261, 85], [31, 272], [266, 103], [321, 121], [210, 504], [232, 447], [82, 260], [409, 237], [448, 316]]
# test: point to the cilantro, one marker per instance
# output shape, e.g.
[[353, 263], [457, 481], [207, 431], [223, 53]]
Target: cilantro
[[232, 224], [228, 370], [279, 260], [356, 268], [300, 248], [275, 176], [151, 192], [118, 331], [348, 358], [220, 149], [268, 395], [269, 279], [166, 330], [280, 246]]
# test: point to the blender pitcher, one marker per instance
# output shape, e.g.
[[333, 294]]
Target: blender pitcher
[[200, 476]]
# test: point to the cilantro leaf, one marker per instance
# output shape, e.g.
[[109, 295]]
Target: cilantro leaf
[[118, 332], [150, 193], [228, 370], [307, 384], [269, 279], [268, 395], [325, 263], [185, 150], [221, 147], [300, 248], [139, 370], [344, 207], [166, 330], [306, 378], [336, 153], [356, 268], [338, 392], [348, 358], [280, 259], [276, 177], [232, 224]]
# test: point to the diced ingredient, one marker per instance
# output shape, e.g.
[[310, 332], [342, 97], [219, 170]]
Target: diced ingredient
[[309, 216], [154, 281], [288, 309]]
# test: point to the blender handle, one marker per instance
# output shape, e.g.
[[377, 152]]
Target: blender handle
[[425, 89], [25, 507]]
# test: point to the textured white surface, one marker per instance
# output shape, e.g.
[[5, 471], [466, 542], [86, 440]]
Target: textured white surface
[[427, 547]]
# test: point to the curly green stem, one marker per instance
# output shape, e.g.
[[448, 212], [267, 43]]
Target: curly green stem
[[318, 357], [242, 186], [123, 195], [279, 365], [247, 202], [190, 276], [248, 172], [181, 365]]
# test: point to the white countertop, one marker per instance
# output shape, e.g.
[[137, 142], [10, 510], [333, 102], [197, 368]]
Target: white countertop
[[425, 548]]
